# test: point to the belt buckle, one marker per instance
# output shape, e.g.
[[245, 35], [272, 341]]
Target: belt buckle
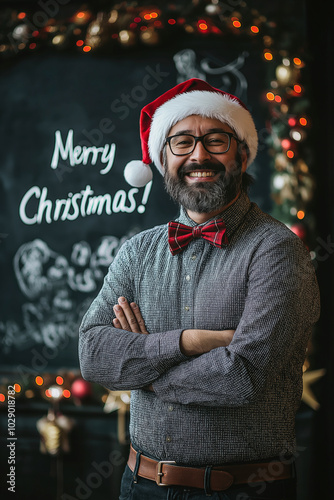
[[160, 473]]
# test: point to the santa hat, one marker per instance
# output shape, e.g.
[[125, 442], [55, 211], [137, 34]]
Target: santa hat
[[192, 97]]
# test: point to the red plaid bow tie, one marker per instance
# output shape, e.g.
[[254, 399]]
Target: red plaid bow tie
[[179, 235]]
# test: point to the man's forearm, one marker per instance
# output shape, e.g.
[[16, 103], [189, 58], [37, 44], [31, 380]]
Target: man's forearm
[[196, 342], [119, 359]]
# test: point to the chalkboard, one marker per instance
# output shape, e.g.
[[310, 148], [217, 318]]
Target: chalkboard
[[69, 125]]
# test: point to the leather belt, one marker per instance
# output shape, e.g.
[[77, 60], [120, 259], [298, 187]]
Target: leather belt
[[167, 473]]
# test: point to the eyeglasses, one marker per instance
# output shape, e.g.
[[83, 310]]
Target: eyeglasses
[[215, 143]]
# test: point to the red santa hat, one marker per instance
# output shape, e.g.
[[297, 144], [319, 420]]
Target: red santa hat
[[192, 97]]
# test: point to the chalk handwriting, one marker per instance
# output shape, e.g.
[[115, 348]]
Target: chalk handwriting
[[36, 207], [80, 155]]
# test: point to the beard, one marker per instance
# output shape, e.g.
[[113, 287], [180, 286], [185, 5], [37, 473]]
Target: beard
[[205, 197]]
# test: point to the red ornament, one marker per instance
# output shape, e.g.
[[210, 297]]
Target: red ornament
[[81, 389], [299, 230]]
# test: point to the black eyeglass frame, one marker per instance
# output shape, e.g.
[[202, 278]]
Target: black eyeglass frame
[[201, 139]]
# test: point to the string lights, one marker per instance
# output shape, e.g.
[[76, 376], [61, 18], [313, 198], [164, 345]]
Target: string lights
[[67, 386]]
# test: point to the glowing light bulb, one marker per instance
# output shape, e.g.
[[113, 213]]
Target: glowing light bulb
[[292, 122], [296, 135], [285, 143], [55, 392], [125, 398], [268, 56], [278, 181], [58, 39]]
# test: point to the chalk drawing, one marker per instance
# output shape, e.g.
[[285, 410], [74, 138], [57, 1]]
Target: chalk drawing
[[57, 289], [232, 80]]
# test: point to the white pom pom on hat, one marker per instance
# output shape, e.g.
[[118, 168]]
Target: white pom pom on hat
[[137, 173], [192, 97]]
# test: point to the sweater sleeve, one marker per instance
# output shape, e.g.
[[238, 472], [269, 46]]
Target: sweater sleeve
[[281, 306], [115, 358]]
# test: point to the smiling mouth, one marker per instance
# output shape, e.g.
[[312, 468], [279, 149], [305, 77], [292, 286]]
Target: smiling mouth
[[201, 173]]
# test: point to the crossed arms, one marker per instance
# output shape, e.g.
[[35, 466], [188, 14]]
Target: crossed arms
[[193, 342]]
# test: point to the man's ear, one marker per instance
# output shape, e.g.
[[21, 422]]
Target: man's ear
[[244, 157], [163, 158]]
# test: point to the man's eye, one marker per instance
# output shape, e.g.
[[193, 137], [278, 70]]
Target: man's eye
[[215, 141], [183, 141]]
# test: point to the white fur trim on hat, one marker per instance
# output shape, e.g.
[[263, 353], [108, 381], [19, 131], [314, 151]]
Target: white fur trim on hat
[[137, 173], [203, 103]]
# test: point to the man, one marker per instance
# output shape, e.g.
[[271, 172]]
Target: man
[[206, 320]]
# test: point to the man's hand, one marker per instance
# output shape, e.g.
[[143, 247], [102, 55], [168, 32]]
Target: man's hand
[[195, 342], [128, 317]]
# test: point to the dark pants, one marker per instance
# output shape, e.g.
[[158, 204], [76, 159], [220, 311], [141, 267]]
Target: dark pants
[[145, 489]]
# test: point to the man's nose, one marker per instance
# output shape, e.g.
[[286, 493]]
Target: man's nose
[[200, 154]]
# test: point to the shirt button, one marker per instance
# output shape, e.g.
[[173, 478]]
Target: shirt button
[[187, 308], [194, 256], [168, 439], [188, 277], [170, 408]]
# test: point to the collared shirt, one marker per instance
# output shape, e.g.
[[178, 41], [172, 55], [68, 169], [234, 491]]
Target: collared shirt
[[234, 403]]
